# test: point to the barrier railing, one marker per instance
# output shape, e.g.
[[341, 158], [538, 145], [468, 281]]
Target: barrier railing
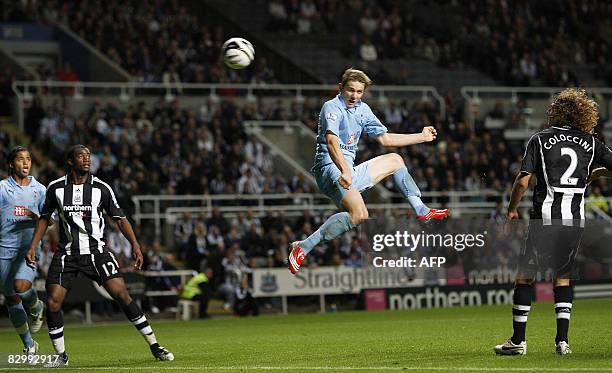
[[474, 96], [125, 91], [162, 207]]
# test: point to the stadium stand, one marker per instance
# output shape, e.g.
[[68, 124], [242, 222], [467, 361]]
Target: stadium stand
[[493, 37], [152, 41]]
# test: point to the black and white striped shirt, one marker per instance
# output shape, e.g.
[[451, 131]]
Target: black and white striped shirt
[[562, 158], [80, 208]]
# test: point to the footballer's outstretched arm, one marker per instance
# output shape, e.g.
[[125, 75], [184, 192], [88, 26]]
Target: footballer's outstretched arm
[[518, 190], [399, 139], [333, 146], [41, 227]]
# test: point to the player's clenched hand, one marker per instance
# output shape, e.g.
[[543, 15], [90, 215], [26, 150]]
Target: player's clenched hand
[[512, 214], [345, 180], [137, 256], [429, 134], [31, 257]]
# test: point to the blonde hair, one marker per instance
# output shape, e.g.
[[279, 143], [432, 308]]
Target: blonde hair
[[356, 75], [573, 107]]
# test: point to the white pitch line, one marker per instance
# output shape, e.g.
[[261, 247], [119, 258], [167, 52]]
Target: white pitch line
[[332, 368]]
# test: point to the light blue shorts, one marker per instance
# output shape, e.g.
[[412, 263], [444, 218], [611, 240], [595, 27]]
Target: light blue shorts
[[327, 180], [14, 269]]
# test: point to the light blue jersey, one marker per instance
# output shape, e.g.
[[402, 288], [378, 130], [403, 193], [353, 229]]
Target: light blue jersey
[[17, 229], [347, 124]]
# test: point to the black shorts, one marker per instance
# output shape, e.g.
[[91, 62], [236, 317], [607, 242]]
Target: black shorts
[[550, 249], [98, 267]]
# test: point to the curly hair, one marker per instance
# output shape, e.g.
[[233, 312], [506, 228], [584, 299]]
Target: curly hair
[[573, 107]]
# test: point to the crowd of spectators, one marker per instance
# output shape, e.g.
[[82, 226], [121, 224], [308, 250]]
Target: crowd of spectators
[[303, 17], [530, 43], [516, 42], [154, 41], [164, 149]]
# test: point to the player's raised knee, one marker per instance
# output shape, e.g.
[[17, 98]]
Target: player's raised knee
[[396, 160]]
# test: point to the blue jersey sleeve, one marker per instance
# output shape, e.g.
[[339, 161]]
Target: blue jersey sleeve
[[372, 125], [41, 198], [2, 193], [329, 120]]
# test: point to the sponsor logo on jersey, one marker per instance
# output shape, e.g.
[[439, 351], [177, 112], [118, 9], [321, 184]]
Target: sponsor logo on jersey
[[77, 210], [348, 147], [19, 211]]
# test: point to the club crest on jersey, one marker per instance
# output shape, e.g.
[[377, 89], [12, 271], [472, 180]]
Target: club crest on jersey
[[351, 139], [19, 211], [77, 197], [331, 117]]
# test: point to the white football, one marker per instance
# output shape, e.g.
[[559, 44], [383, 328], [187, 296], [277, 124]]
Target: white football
[[238, 53]]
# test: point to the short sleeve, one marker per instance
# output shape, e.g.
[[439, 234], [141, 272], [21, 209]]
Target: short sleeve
[[41, 199], [50, 204], [372, 125], [603, 155], [2, 193], [110, 204], [529, 158], [329, 119]]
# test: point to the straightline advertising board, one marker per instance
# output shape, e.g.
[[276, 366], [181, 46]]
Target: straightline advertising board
[[329, 280]]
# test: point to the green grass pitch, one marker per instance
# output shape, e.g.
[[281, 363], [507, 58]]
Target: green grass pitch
[[452, 339]]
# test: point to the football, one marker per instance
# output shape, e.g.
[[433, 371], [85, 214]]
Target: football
[[238, 53]]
